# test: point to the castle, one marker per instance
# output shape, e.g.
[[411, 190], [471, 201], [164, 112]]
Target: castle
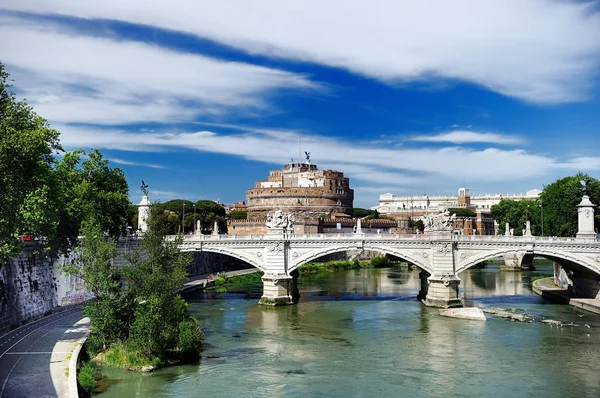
[[302, 189]]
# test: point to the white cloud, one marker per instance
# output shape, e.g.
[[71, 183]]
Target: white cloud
[[467, 137], [87, 79], [130, 163], [584, 163], [541, 51], [364, 162]]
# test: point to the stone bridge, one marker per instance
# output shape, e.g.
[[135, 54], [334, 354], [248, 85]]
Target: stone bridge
[[440, 254], [440, 257]]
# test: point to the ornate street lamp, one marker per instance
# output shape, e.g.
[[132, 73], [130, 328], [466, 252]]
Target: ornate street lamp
[[182, 217], [194, 227]]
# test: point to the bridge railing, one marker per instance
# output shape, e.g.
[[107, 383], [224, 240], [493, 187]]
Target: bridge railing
[[388, 237]]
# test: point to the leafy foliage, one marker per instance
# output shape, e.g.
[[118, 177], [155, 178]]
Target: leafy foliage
[[417, 225], [237, 215], [44, 197], [137, 305], [461, 212], [86, 376], [27, 158], [90, 191], [558, 203], [208, 212], [358, 212], [560, 200], [516, 213]]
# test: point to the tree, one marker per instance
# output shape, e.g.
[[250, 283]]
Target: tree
[[461, 212], [27, 148], [417, 225], [91, 190], [517, 213], [111, 311], [43, 197], [208, 212], [137, 306], [358, 212], [560, 200], [155, 275], [237, 215]]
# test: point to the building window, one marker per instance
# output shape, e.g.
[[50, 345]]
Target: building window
[[339, 203]]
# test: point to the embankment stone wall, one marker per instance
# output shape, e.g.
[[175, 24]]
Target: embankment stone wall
[[32, 284]]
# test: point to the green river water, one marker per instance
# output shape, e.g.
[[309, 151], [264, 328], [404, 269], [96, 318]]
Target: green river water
[[363, 334]]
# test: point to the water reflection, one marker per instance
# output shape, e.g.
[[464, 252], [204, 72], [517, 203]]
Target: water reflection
[[363, 333]]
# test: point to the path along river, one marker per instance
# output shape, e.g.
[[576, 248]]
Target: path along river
[[363, 334]]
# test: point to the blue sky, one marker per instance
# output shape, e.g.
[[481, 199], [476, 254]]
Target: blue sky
[[200, 99]]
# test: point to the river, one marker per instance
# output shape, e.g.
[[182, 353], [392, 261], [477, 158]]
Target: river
[[363, 334]]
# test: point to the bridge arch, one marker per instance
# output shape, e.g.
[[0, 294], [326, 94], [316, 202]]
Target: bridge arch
[[551, 254], [255, 262], [406, 254]]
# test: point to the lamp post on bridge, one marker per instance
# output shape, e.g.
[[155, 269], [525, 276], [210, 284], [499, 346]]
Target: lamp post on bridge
[[194, 227], [182, 218], [542, 210]]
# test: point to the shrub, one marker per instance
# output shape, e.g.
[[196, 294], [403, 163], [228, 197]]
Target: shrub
[[87, 376], [190, 339], [381, 262]]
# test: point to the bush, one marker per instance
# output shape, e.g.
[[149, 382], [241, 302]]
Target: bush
[[87, 376], [94, 344], [381, 262], [125, 356], [191, 339]]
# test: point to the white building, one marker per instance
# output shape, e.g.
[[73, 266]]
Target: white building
[[390, 203]]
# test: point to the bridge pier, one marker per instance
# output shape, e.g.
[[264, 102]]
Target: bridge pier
[[517, 261], [280, 289], [439, 291]]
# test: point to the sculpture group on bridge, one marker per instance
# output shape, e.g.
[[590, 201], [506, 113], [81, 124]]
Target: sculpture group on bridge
[[279, 220], [438, 222]]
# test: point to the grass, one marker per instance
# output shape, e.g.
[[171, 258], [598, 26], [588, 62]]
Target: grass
[[332, 266], [240, 280], [537, 277], [124, 356]]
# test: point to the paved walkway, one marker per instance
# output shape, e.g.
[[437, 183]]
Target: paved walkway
[[546, 288], [201, 281], [34, 357]]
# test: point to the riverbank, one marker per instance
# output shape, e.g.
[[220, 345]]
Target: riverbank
[[203, 281], [546, 288], [345, 265]]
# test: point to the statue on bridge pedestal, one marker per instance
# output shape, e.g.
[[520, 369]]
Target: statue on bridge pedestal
[[443, 222], [278, 220]]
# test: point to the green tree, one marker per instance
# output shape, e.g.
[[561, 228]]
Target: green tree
[[516, 213], [560, 200], [90, 190], [237, 215], [208, 212], [154, 277], [111, 311], [358, 212], [44, 197], [27, 148], [418, 225], [137, 306], [461, 212]]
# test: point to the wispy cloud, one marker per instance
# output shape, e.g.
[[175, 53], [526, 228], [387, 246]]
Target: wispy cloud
[[73, 78], [374, 164], [130, 163], [469, 137], [515, 48]]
